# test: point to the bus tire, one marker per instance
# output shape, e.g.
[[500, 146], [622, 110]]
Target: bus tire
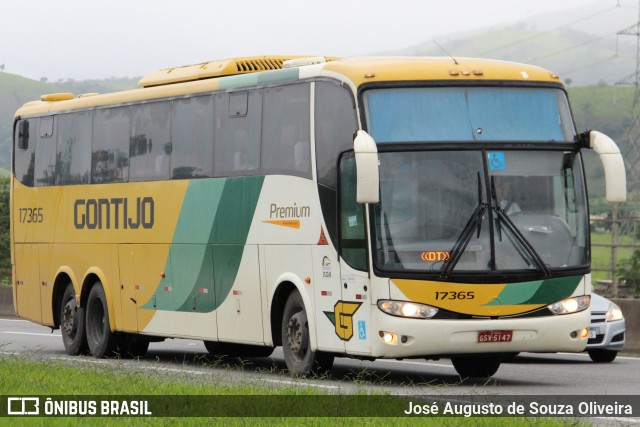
[[237, 350], [300, 359], [480, 366], [72, 326], [100, 339]]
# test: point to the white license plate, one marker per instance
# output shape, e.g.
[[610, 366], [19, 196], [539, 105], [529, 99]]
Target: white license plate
[[495, 336], [593, 333]]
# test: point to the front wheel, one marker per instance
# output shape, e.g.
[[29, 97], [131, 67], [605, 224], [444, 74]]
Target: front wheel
[[602, 356], [72, 323], [481, 366], [300, 359], [100, 339]]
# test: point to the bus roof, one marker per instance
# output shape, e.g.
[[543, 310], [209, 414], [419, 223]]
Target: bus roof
[[250, 71]]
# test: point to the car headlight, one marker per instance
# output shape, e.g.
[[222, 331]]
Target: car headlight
[[614, 313], [570, 305], [407, 309]]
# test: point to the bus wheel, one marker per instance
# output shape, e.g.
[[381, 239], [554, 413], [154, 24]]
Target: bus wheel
[[100, 339], [482, 366], [72, 323], [300, 359], [602, 356], [237, 350]]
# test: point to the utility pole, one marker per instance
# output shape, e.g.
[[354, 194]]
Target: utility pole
[[631, 156]]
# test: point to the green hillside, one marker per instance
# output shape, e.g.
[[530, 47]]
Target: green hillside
[[578, 58], [16, 90]]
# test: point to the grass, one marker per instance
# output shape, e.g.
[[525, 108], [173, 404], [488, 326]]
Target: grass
[[22, 375], [601, 256]]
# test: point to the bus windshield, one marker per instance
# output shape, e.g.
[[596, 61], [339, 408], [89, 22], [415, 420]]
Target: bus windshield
[[480, 211], [430, 114]]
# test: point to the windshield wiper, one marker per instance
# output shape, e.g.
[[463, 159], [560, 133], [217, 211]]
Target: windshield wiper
[[474, 223], [515, 232]]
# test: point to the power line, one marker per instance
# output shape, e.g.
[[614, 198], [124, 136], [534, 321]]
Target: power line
[[549, 31]]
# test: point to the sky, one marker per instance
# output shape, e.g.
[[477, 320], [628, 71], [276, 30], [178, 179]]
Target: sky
[[82, 39]]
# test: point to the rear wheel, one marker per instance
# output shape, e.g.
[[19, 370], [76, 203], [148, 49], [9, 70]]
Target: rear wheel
[[477, 366], [602, 356], [100, 339], [72, 323], [300, 359], [237, 350]]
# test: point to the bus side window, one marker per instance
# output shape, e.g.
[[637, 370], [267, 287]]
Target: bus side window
[[74, 148], [45, 165], [285, 131], [352, 225], [25, 155], [150, 124], [335, 124], [238, 119], [192, 137], [110, 155]]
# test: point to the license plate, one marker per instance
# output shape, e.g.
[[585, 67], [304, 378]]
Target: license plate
[[593, 333], [495, 336]]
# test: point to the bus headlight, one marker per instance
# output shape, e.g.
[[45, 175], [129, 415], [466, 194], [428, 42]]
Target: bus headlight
[[614, 313], [407, 309], [570, 305]]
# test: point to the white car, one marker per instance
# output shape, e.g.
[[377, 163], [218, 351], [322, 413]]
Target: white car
[[606, 332]]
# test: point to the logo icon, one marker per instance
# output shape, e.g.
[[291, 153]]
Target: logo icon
[[497, 161], [23, 406], [342, 318]]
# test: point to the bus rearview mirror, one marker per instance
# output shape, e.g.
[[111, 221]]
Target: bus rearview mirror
[[367, 173], [613, 165]]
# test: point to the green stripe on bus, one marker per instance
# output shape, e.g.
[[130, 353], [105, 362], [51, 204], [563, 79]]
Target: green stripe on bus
[[217, 215], [537, 292]]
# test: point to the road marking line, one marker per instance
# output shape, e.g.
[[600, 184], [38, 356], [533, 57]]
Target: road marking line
[[30, 333]]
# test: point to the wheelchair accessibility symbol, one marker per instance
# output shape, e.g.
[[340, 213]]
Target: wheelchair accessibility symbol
[[497, 161]]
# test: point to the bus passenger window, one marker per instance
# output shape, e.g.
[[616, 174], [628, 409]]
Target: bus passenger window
[[74, 148], [25, 158], [110, 155], [285, 131], [237, 148], [45, 173], [192, 138], [149, 134]]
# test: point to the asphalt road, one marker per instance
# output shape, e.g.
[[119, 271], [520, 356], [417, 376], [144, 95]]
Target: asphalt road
[[528, 374]]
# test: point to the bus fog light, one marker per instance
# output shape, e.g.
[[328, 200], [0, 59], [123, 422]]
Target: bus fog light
[[389, 338], [407, 309], [570, 305]]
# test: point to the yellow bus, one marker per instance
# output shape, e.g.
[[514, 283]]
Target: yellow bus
[[366, 208]]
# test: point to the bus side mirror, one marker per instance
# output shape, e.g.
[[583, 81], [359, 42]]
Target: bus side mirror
[[612, 163], [367, 174], [23, 134]]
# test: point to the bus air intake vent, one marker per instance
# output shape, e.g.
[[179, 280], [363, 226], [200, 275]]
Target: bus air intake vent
[[215, 69]]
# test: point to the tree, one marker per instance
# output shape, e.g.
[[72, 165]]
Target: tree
[[629, 271], [5, 237]]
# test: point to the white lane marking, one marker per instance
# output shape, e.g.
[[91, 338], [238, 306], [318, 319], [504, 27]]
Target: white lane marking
[[30, 333]]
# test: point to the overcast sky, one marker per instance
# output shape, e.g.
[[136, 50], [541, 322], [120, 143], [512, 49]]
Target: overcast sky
[[80, 39]]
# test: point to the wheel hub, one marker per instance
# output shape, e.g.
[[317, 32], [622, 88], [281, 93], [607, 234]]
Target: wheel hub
[[68, 321], [297, 335]]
